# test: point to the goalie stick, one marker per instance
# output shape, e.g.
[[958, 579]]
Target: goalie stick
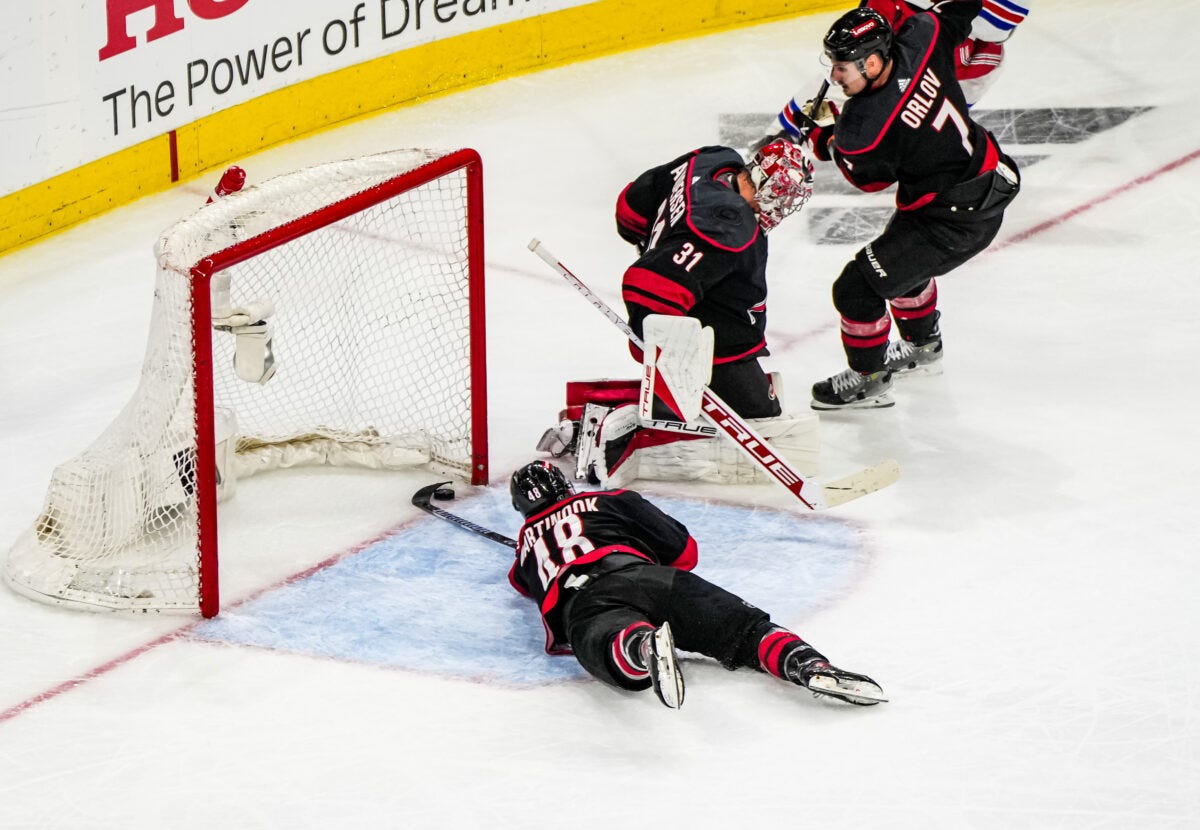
[[802, 131], [731, 425], [422, 497]]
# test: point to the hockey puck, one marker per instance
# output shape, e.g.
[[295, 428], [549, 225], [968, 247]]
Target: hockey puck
[[443, 494]]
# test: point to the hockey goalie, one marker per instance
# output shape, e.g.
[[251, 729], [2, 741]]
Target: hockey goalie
[[696, 297]]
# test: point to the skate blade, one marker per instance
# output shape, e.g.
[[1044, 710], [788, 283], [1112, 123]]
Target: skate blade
[[876, 402], [858, 692], [665, 675], [931, 369]]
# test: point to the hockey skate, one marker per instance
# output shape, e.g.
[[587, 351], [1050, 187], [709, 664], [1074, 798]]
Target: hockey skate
[[820, 678], [906, 358], [658, 650], [851, 390]]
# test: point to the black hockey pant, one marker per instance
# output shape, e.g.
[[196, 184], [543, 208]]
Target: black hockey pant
[[915, 247], [746, 388], [704, 618]]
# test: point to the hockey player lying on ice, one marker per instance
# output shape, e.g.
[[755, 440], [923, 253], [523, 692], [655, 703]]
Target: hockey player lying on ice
[[611, 574]]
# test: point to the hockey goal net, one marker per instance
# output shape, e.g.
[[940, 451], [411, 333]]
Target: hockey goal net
[[332, 315]]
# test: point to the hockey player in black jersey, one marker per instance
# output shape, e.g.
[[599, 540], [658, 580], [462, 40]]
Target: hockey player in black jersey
[[700, 225], [905, 121], [611, 575]]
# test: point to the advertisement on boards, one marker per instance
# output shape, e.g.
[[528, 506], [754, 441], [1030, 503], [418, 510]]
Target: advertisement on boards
[[82, 80]]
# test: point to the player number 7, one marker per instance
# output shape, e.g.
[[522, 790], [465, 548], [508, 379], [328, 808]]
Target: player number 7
[[949, 113]]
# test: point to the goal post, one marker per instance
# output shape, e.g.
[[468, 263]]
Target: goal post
[[333, 315]]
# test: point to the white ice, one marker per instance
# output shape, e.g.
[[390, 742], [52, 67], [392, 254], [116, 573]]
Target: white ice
[[1026, 593]]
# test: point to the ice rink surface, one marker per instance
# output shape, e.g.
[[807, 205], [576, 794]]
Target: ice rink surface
[[1026, 594]]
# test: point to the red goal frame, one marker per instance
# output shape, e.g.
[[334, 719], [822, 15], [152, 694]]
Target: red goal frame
[[202, 272]]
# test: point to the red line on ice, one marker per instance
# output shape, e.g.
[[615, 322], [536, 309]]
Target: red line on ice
[[1112, 194], [181, 633]]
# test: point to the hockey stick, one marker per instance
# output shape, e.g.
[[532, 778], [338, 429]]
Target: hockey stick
[[422, 497], [865, 481], [816, 105], [730, 424], [802, 131]]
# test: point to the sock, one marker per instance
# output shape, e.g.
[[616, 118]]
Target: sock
[[626, 650], [779, 647]]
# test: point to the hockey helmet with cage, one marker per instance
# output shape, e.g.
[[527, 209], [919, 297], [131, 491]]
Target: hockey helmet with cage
[[782, 175], [536, 486], [856, 35]]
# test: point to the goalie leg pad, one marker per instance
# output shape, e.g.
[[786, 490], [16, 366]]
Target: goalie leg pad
[[615, 450], [716, 460], [677, 365]]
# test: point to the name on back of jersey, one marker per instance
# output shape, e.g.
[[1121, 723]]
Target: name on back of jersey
[[534, 530], [922, 99]]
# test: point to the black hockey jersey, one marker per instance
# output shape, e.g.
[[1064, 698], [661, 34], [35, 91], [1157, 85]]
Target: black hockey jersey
[[915, 130], [558, 547], [702, 252]]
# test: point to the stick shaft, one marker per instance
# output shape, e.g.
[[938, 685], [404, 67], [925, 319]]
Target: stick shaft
[[422, 500]]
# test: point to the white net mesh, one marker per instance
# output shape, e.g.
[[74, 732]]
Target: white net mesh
[[372, 346]]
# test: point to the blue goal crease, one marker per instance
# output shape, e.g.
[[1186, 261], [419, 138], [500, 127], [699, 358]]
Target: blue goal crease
[[434, 598]]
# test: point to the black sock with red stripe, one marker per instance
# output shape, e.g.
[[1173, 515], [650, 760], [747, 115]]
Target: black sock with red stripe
[[779, 647], [626, 652]]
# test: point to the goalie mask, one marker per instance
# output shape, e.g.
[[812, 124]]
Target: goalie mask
[[782, 177], [536, 486]]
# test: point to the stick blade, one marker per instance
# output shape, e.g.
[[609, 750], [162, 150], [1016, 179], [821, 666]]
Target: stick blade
[[862, 483]]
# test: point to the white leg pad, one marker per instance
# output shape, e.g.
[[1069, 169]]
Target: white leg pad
[[717, 460]]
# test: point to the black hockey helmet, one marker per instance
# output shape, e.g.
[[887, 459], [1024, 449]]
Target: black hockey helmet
[[858, 34], [536, 486]]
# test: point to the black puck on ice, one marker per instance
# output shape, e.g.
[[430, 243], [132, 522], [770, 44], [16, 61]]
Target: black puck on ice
[[443, 494]]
